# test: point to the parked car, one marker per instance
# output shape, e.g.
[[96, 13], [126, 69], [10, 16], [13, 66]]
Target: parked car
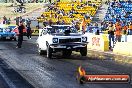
[[6, 32], [64, 38]]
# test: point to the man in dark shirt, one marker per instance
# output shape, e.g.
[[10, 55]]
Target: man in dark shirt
[[28, 23], [20, 35], [111, 35], [17, 21]]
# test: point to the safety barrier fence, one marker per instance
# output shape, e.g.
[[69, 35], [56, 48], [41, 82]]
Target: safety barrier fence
[[101, 42]]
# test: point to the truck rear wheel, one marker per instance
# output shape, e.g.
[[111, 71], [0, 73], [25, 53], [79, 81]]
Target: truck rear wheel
[[83, 51]]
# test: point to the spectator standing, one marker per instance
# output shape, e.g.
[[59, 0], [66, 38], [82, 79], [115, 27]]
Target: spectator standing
[[20, 35], [17, 21], [50, 22], [97, 28], [130, 29], [83, 25], [58, 22], [125, 30], [63, 22], [118, 30], [9, 21], [77, 26], [111, 35], [55, 15], [28, 23], [102, 26], [20, 19], [4, 20], [87, 16]]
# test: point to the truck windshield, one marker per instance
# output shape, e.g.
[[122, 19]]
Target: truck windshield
[[61, 29]]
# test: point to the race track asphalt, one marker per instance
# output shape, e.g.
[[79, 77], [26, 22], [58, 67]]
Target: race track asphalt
[[58, 72]]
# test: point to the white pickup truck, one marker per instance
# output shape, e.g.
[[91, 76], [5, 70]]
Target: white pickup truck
[[61, 38]]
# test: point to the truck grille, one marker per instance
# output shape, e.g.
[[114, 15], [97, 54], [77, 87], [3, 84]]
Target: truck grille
[[69, 40]]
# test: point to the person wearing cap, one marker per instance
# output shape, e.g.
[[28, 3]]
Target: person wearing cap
[[20, 35]]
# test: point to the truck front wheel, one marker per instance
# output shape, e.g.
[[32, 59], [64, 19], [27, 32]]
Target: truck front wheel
[[49, 52], [41, 52], [83, 51]]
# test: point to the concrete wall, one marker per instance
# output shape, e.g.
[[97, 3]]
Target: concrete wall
[[124, 48], [98, 42]]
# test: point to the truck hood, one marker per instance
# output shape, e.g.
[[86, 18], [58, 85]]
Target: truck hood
[[62, 34]]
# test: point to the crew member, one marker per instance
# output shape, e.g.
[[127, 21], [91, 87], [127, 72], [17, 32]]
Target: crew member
[[118, 30], [28, 28], [20, 35], [130, 29], [111, 35]]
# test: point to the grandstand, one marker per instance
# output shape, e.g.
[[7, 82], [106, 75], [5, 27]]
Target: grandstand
[[70, 11], [119, 10]]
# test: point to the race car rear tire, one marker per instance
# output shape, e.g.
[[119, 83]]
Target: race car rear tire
[[49, 52], [11, 38], [14, 39], [66, 53], [83, 51]]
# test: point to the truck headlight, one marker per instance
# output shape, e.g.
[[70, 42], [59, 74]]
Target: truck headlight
[[55, 40], [84, 39]]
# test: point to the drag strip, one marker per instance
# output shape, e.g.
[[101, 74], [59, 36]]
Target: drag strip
[[11, 78], [58, 72]]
